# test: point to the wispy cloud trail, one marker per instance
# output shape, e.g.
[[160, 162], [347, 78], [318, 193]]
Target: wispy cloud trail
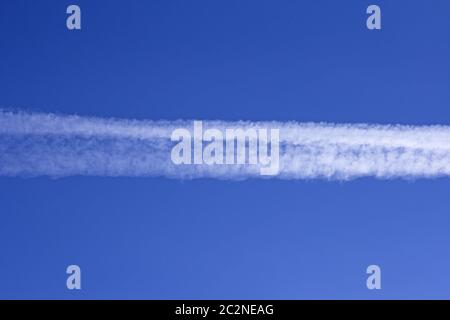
[[35, 144]]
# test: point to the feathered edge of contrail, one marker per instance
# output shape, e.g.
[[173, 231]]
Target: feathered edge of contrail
[[38, 144]]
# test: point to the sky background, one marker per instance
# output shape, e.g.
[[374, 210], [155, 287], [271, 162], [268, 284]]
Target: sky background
[[158, 238]]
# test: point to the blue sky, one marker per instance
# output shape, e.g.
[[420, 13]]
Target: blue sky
[[158, 238]]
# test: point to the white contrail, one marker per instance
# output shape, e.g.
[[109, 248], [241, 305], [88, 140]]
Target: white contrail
[[35, 144]]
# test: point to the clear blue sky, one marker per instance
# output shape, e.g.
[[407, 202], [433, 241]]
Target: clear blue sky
[[157, 238]]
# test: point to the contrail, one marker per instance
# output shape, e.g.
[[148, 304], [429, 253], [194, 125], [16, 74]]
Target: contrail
[[37, 144]]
